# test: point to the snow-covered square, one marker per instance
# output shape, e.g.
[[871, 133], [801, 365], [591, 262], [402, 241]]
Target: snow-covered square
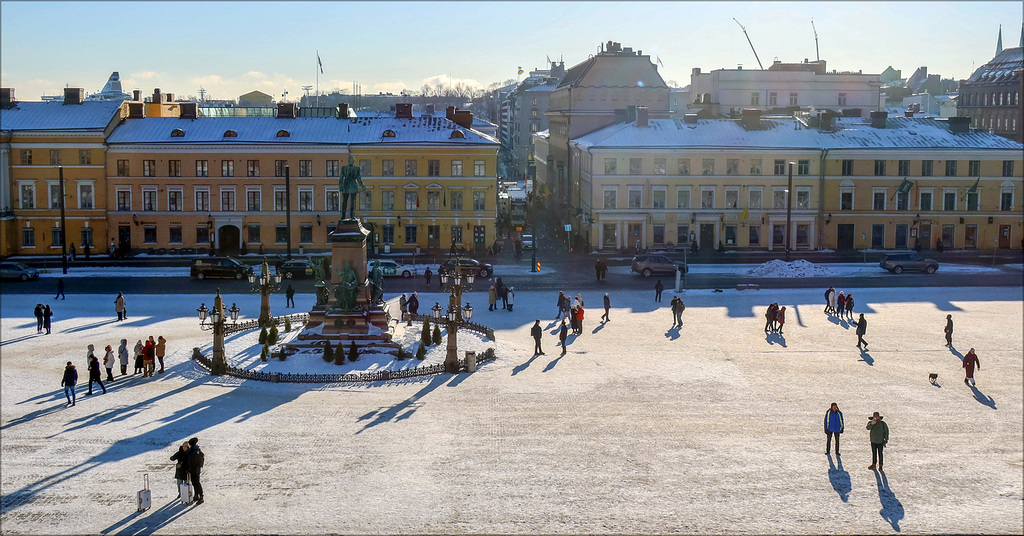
[[712, 428]]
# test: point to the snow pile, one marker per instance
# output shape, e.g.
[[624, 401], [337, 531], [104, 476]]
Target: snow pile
[[798, 268]]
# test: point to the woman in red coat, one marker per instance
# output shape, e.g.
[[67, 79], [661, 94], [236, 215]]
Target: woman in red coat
[[971, 361]]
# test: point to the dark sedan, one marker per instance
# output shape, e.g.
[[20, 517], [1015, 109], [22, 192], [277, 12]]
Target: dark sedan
[[467, 266], [295, 269]]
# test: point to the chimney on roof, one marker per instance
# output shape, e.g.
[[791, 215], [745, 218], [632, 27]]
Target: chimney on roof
[[74, 95], [430, 110], [631, 113], [642, 117], [188, 110], [157, 98], [137, 95], [690, 119], [959, 125], [287, 110], [7, 97], [449, 113], [403, 110], [878, 119], [751, 118], [343, 110], [827, 121], [136, 110], [908, 113], [170, 97], [463, 118]]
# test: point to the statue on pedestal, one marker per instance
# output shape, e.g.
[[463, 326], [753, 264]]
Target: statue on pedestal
[[376, 283], [320, 269], [350, 184], [347, 290]]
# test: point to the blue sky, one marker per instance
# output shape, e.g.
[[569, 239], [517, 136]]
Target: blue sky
[[230, 48]]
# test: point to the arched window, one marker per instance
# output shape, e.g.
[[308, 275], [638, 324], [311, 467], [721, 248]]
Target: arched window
[[388, 134], [177, 133], [457, 135], [230, 134], [283, 133]]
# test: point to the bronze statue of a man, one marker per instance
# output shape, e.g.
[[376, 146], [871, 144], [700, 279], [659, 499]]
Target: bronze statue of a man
[[350, 184]]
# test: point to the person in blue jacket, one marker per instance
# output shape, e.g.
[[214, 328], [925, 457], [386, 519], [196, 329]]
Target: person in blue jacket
[[833, 425]]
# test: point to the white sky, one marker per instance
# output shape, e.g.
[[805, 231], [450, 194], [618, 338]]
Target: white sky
[[230, 48]]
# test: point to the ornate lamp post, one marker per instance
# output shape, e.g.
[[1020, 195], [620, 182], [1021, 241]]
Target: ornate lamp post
[[217, 319], [264, 283], [456, 315]]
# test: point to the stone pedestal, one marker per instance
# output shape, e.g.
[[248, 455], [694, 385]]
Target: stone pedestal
[[348, 244]]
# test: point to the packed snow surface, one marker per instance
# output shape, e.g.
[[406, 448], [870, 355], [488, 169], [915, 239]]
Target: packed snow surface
[[712, 428], [798, 268]]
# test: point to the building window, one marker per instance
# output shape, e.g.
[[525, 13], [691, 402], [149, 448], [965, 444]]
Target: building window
[[683, 198], [412, 199], [410, 168], [842, 99], [410, 234], [779, 166], [202, 200], [84, 157], [149, 234], [479, 168], [658, 196], [252, 168], [280, 234], [659, 166], [846, 201], [433, 168], [778, 198], [387, 200], [253, 232], [634, 166], [54, 194], [610, 198], [925, 201], [847, 166], [227, 168], [479, 200], [149, 200], [951, 168], [755, 98], [754, 238], [365, 167], [433, 200], [123, 169], [174, 200], [754, 199], [332, 200], [803, 167], [948, 200], [253, 200], [707, 199], [202, 168], [634, 198], [972, 201], [732, 166], [86, 237], [1005, 200], [149, 168], [926, 168], [803, 199], [174, 234], [456, 199], [708, 166], [174, 168], [124, 200], [85, 197], [306, 233], [773, 99], [28, 237], [387, 168], [227, 200], [56, 237], [388, 233], [280, 200], [732, 198], [683, 166], [902, 200], [305, 168], [793, 99], [878, 200], [333, 168], [609, 165], [26, 157], [202, 234], [305, 200], [880, 168], [973, 168], [456, 168], [279, 167], [1007, 168], [903, 168], [365, 198], [755, 166]]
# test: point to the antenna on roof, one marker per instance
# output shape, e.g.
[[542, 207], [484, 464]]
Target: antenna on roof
[[751, 44], [816, 54]]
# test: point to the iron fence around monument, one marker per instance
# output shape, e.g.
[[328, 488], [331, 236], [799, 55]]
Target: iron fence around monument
[[255, 323]]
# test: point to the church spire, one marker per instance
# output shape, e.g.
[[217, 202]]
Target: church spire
[[999, 43], [1021, 36]]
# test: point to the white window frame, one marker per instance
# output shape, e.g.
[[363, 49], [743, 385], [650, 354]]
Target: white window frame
[[248, 189], [195, 199], [802, 190], [35, 197], [604, 197], [664, 191], [52, 191], [847, 187], [732, 189], [234, 193], [150, 189], [885, 195], [629, 196], [750, 199], [327, 195], [920, 192], [91, 184], [118, 190], [946, 191], [689, 197], [311, 206], [1004, 188], [785, 197], [181, 198], [273, 199], [707, 189]]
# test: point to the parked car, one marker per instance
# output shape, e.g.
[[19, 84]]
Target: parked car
[[648, 265], [528, 242], [219, 267], [392, 268], [898, 262], [467, 265], [16, 270], [295, 268]]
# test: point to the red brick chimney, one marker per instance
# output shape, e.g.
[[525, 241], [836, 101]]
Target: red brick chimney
[[403, 110]]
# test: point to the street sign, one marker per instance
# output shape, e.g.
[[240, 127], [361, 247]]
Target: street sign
[[568, 227]]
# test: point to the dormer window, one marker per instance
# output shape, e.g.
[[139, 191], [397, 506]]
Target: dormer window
[[177, 133], [457, 135], [283, 133], [230, 134], [388, 134]]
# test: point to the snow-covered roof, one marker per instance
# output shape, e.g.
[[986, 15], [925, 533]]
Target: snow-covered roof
[[543, 87], [855, 132], [302, 130], [1001, 68], [55, 115]]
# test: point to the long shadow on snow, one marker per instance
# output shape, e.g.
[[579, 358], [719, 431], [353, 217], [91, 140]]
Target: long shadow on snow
[[148, 522], [404, 409], [839, 477], [983, 399], [865, 357], [892, 509], [232, 405]]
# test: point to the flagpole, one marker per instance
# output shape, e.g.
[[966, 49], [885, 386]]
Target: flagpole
[[318, 78]]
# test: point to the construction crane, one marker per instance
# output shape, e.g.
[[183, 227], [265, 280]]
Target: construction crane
[[751, 44], [816, 54]]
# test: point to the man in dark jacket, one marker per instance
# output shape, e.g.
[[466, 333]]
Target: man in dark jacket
[[658, 287], [39, 317], [607, 307], [60, 289], [180, 457], [833, 425], [289, 295], [536, 331], [862, 328], [949, 330], [68, 383], [879, 437], [194, 463], [563, 333]]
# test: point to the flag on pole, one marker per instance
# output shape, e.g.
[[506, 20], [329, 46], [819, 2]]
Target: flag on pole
[[972, 189], [904, 187], [520, 70], [319, 63], [745, 214]]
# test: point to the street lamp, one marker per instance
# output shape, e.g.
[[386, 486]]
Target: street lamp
[[456, 315], [265, 284], [217, 318]]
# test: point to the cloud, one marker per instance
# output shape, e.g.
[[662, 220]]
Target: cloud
[[209, 80], [386, 87], [144, 75], [444, 80], [41, 82], [254, 74]]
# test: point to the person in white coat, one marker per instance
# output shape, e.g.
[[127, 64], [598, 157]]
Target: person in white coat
[[108, 363], [122, 356]]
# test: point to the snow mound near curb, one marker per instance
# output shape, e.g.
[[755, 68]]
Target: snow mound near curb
[[798, 268]]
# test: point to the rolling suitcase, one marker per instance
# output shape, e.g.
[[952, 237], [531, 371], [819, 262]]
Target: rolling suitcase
[[145, 497], [185, 491]]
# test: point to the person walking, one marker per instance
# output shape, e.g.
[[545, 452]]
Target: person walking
[[180, 457], [414, 304], [658, 287], [562, 306], [60, 288], [119, 307], [579, 320], [499, 288], [970, 362], [148, 358], [537, 332], [139, 352], [607, 308], [122, 356], [604, 269], [840, 304], [38, 311], [949, 330], [677, 311], [403, 305], [849, 306], [563, 333], [68, 382], [833, 426], [769, 317], [830, 299], [862, 329], [289, 294], [511, 292], [194, 463], [108, 362], [492, 298], [426, 275], [780, 319], [879, 437], [597, 269], [94, 371], [47, 316], [161, 349]]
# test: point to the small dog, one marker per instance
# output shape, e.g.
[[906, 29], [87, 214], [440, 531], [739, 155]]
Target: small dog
[[932, 377]]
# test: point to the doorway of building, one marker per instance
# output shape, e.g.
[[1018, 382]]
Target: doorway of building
[[707, 235], [844, 236], [925, 237], [947, 236], [124, 240], [229, 238], [479, 238], [902, 231], [633, 230], [878, 236], [433, 236], [1004, 237]]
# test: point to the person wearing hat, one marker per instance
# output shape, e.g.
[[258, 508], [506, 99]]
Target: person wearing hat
[[68, 382], [862, 328], [194, 463], [833, 426], [970, 362], [949, 330], [879, 437], [536, 331]]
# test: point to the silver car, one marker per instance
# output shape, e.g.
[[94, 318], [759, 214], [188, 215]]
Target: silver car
[[898, 262], [16, 270]]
